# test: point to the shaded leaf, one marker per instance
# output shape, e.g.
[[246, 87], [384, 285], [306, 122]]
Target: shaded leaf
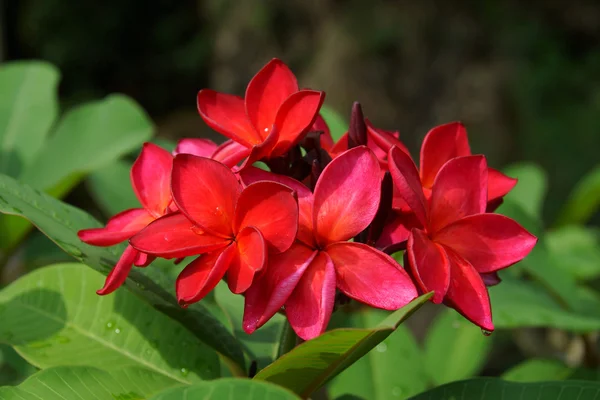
[[575, 249], [111, 188], [531, 188], [583, 201], [242, 389], [537, 370]]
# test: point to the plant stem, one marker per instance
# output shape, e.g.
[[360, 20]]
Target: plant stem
[[287, 340]]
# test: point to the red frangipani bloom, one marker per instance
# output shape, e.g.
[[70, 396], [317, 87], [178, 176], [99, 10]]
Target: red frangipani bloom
[[455, 240], [151, 182], [273, 116], [233, 229], [304, 278]]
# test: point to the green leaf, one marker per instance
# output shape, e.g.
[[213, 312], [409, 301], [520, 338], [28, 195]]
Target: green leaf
[[53, 317], [88, 137], [28, 108], [66, 383], [111, 188], [314, 362], [583, 201], [537, 370], [513, 209], [454, 348], [575, 249], [336, 123], [531, 189], [233, 389], [60, 222], [394, 368], [519, 304], [497, 389]]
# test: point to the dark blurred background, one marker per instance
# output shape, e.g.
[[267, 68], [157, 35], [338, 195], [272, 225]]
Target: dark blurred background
[[523, 76]]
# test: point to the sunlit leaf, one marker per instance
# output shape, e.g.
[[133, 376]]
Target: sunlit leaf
[[583, 201], [537, 370], [531, 188], [336, 123], [111, 188], [575, 249]]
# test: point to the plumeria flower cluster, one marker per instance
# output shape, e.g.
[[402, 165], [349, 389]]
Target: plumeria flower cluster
[[320, 225]]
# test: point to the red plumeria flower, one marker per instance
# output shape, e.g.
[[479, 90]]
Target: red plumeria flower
[[304, 278], [273, 116], [233, 228], [457, 240], [150, 179]]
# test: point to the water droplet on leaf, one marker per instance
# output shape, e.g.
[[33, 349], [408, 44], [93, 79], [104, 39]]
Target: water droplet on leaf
[[110, 324], [184, 372], [486, 332], [396, 391], [381, 347]]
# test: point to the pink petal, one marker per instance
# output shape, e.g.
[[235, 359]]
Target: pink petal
[[271, 208], [489, 242], [370, 276], [396, 231], [499, 184], [385, 140], [119, 228], [325, 139], [305, 199], [295, 118], [151, 179], [407, 183], [467, 293], [266, 92], [201, 276], [230, 153], [250, 258], [459, 190], [175, 236], [119, 273], [225, 113], [274, 285], [197, 147], [310, 305], [440, 145], [206, 191], [347, 195], [429, 264]]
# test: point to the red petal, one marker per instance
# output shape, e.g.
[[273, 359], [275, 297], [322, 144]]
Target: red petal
[[325, 139], [206, 191], [385, 140], [143, 259], [274, 285], [119, 273], [397, 230], [119, 228], [440, 145], [407, 183], [459, 190], [295, 118], [488, 241], [429, 264], [197, 147], [151, 178], [230, 153], [266, 92], [225, 113], [370, 276], [311, 303], [272, 208], [499, 184], [250, 258], [261, 150], [340, 146], [347, 195], [201, 276], [305, 199], [467, 293], [175, 236]]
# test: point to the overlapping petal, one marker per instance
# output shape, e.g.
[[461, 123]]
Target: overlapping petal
[[206, 191], [311, 303], [119, 273], [119, 228], [459, 190], [385, 140], [499, 184], [429, 264], [488, 241], [370, 276], [347, 195], [250, 257], [326, 139], [230, 153], [151, 178], [196, 146]]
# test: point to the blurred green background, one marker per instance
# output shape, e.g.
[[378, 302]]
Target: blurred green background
[[524, 77]]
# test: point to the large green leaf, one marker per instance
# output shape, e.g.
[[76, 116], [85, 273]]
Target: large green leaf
[[111, 188], [53, 317], [575, 249], [314, 362], [395, 368], [537, 370], [60, 222], [497, 389], [89, 137], [68, 383], [336, 123], [531, 189], [583, 201], [228, 389], [454, 348], [28, 108]]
